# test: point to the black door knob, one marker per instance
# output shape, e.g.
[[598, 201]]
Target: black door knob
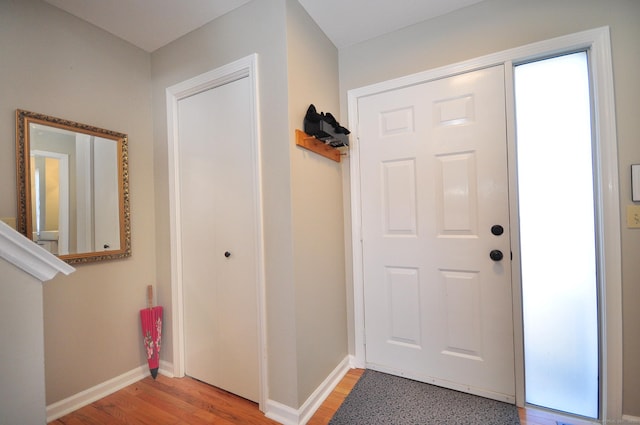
[[227, 254], [496, 255], [497, 230]]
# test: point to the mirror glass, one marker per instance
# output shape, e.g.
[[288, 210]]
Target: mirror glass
[[73, 197]]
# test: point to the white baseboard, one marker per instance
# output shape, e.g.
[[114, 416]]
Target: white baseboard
[[289, 416], [282, 413], [166, 369], [68, 405], [322, 392], [277, 411], [88, 396]]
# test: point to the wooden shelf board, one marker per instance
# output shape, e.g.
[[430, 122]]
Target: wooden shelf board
[[317, 146]]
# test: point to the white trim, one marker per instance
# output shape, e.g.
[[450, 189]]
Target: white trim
[[281, 413], [516, 287], [608, 224], [597, 40], [323, 391], [166, 369], [28, 256], [245, 67], [274, 410], [88, 396], [359, 360], [290, 416]]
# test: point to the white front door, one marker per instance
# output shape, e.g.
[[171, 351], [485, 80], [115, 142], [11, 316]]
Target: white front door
[[219, 238], [433, 165]]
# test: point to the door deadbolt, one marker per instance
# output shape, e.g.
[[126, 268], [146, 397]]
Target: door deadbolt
[[497, 230]]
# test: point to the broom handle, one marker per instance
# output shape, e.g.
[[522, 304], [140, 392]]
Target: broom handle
[[149, 296]]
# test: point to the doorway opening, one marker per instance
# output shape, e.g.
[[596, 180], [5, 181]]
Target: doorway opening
[[50, 196], [557, 227]]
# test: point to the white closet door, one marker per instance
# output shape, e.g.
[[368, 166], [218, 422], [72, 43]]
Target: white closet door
[[219, 242]]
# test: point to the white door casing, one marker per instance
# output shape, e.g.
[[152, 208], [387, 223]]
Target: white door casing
[[433, 166], [243, 68], [597, 42]]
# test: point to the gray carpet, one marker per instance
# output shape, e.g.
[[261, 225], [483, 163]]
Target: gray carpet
[[379, 398]]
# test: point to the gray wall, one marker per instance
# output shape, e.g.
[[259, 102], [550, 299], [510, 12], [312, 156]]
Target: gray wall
[[495, 25], [222, 41], [304, 258], [316, 190], [22, 392], [56, 64]]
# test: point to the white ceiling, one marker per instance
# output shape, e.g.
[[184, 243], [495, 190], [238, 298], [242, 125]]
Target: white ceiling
[[150, 24]]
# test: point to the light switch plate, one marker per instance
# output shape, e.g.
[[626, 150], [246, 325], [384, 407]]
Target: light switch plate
[[633, 216], [635, 182], [11, 221]]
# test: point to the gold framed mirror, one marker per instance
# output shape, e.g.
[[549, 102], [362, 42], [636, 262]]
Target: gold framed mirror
[[73, 188]]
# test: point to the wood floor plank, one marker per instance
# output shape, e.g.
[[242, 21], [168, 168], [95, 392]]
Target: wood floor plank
[[533, 416], [88, 415], [120, 408], [202, 402], [176, 406], [168, 403]]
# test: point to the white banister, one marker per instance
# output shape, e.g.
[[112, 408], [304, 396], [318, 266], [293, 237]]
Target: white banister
[[28, 256]]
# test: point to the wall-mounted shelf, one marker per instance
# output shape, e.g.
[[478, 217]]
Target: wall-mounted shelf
[[317, 146]]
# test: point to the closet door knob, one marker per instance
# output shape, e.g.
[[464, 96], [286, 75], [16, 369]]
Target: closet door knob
[[227, 254]]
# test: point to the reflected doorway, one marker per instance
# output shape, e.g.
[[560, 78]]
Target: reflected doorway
[[50, 200]]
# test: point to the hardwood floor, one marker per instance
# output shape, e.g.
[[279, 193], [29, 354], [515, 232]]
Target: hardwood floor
[[167, 401], [186, 401]]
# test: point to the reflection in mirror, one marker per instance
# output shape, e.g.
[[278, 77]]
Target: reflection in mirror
[[73, 195]]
